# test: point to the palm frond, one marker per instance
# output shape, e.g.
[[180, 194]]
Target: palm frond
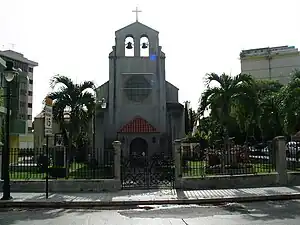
[[86, 85], [210, 77], [207, 97], [242, 79], [60, 79]]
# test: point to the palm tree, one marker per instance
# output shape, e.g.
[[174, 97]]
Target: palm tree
[[222, 96], [80, 104]]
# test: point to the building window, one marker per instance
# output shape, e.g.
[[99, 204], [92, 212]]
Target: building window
[[30, 69], [137, 88], [29, 117], [29, 93], [29, 105], [153, 139], [30, 81], [23, 92], [22, 104]]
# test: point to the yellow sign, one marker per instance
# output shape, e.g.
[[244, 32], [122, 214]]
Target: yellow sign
[[48, 101], [48, 112]]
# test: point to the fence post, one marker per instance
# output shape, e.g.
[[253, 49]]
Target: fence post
[[117, 159], [281, 164], [1, 150], [177, 162]]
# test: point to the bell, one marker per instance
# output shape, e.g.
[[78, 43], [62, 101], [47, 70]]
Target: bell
[[144, 45], [129, 45]]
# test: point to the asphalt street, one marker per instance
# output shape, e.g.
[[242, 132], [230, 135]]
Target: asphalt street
[[285, 212]]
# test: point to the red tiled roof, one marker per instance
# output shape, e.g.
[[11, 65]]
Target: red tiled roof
[[138, 125]]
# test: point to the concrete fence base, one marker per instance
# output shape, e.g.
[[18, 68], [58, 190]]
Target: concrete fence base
[[184, 183], [61, 186], [224, 181]]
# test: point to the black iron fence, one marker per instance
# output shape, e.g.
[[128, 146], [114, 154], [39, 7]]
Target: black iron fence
[[230, 159], [293, 155], [26, 164]]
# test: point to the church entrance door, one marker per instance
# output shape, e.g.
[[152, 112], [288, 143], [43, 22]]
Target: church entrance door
[[143, 171], [138, 146]]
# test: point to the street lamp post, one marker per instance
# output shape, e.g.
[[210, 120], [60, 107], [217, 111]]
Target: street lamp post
[[67, 120], [9, 75]]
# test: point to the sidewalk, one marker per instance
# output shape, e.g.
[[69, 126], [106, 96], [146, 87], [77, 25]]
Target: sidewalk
[[134, 198]]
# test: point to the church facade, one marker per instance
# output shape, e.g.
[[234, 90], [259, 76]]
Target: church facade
[[142, 109]]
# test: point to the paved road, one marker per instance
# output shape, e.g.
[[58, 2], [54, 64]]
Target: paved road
[[275, 213]]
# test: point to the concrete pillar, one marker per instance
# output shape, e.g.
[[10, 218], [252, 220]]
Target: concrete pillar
[[117, 159], [281, 164], [177, 162]]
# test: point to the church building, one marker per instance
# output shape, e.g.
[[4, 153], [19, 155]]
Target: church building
[[142, 109]]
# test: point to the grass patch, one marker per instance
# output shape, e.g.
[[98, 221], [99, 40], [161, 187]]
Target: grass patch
[[201, 169], [26, 176], [76, 171], [84, 172]]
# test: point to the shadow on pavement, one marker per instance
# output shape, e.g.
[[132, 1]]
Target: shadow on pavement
[[270, 210], [262, 211], [15, 216]]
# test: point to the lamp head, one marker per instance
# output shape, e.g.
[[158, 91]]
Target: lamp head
[[103, 103], [10, 72]]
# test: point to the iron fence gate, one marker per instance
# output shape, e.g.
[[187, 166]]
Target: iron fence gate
[[147, 172]]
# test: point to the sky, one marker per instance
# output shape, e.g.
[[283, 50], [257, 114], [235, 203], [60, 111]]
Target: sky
[[74, 37]]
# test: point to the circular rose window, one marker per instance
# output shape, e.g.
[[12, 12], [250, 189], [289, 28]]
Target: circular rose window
[[137, 88]]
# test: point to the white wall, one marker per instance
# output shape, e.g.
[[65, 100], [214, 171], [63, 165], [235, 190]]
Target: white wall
[[281, 67]]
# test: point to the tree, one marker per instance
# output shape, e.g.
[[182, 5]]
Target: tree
[[261, 112], [192, 119], [222, 97], [80, 102], [290, 106], [269, 92]]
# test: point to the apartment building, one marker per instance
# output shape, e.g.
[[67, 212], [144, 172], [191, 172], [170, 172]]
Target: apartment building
[[21, 135], [26, 90], [275, 63]]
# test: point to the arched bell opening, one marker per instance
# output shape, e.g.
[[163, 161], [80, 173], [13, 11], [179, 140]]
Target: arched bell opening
[[129, 49], [144, 46]]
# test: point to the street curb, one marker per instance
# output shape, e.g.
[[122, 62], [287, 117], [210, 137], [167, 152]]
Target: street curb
[[135, 204]]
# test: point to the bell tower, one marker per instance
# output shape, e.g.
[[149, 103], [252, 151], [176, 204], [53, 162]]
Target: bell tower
[[137, 38], [137, 76]]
